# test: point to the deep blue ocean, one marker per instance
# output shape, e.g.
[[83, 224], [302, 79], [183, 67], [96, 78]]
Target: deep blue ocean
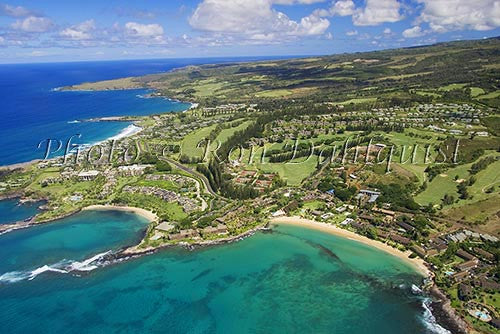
[[32, 111]]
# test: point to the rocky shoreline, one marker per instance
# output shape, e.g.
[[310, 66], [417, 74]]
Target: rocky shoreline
[[134, 251], [444, 313]]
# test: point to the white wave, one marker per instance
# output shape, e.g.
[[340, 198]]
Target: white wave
[[62, 267], [44, 269], [145, 96], [430, 321], [87, 265], [416, 290], [74, 122], [14, 276]]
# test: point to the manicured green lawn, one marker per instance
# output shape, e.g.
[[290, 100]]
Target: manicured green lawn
[[294, 172], [452, 87], [442, 184], [190, 142], [446, 184], [226, 133], [491, 95], [476, 91]]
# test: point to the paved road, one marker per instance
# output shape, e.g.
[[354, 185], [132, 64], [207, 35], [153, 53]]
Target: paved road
[[191, 171]]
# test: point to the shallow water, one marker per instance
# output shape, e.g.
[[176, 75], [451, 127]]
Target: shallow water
[[293, 280], [74, 238]]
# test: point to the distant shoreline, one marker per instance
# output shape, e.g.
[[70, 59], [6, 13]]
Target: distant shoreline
[[124, 133], [416, 263]]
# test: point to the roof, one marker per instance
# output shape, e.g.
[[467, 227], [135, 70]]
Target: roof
[[165, 226], [89, 173]]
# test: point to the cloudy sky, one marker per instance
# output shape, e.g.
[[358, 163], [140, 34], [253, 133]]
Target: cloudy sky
[[52, 30]]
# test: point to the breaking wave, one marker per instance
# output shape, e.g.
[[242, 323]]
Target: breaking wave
[[430, 321], [61, 267]]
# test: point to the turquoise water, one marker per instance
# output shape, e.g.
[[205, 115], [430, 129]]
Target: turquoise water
[[75, 238], [293, 280], [12, 211]]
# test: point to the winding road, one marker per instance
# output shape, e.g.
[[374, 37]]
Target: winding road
[[191, 171]]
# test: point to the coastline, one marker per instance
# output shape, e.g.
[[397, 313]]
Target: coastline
[[150, 216], [129, 131], [416, 263]]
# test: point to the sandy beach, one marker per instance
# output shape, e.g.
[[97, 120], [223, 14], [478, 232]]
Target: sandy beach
[[417, 263], [142, 212], [20, 164]]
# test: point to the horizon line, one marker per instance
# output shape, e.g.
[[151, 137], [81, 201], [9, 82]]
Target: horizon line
[[282, 56]]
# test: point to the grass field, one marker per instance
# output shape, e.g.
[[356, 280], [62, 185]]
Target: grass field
[[479, 211], [491, 95], [476, 91], [402, 76], [274, 93], [417, 170], [206, 88], [190, 142], [445, 184], [293, 172], [226, 133], [359, 100], [442, 184], [454, 86], [425, 93]]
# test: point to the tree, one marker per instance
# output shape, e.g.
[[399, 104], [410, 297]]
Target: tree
[[163, 166]]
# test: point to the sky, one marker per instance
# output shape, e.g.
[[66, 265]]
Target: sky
[[52, 30]]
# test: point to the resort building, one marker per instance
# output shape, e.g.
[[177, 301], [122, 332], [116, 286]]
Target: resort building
[[88, 175], [133, 170]]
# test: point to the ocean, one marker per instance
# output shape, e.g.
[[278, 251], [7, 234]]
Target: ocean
[[12, 211], [32, 111], [290, 280]]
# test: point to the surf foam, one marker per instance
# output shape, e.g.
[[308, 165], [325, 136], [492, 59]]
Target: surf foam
[[61, 267]]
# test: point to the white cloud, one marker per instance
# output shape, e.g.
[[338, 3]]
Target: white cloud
[[135, 29], [387, 31], [293, 2], [447, 15], [310, 25], [343, 8], [413, 32], [33, 24], [14, 11], [352, 33], [376, 12], [82, 31], [255, 20], [340, 8], [38, 53]]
